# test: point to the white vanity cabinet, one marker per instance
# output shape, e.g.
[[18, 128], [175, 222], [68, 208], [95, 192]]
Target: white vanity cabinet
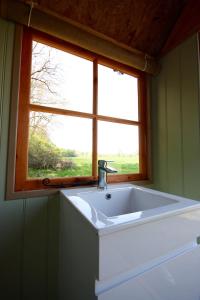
[[142, 256], [177, 279]]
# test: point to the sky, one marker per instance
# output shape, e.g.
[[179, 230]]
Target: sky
[[71, 88]]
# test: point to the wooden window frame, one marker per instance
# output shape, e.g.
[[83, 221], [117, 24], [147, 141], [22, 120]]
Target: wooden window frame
[[22, 183]]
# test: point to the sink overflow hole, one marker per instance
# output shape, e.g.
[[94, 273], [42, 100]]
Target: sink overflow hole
[[108, 196]]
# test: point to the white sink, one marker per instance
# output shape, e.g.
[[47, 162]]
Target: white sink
[[124, 205], [116, 202]]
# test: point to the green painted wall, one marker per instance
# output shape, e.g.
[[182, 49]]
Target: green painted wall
[[176, 122], [28, 228]]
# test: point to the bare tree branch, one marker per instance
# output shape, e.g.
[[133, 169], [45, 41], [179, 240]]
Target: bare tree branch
[[45, 83], [46, 73]]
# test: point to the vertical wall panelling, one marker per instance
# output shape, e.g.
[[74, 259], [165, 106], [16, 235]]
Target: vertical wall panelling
[[175, 122], [159, 136], [11, 214], [29, 227], [6, 48], [53, 230], [35, 249], [190, 117], [173, 115]]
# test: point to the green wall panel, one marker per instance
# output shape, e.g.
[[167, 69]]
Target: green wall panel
[[35, 249], [159, 129], [11, 214], [28, 228], [190, 117], [175, 122]]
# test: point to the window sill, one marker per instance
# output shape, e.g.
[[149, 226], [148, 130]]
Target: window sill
[[12, 195]]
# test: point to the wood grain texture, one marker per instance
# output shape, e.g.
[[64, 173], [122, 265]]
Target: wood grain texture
[[94, 122], [59, 26], [176, 119], [143, 25], [187, 24], [24, 91]]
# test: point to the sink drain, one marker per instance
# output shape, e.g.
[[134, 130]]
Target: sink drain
[[108, 196]]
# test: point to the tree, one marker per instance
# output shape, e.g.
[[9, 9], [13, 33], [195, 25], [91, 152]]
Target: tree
[[45, 74], [44, 77]]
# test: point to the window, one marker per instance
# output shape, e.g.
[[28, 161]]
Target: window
[[76, 107]]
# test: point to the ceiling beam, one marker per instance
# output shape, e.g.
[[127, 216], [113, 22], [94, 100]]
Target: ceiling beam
[[187, 24]]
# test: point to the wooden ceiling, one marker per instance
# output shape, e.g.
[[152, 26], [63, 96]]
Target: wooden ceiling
[[141, 24]]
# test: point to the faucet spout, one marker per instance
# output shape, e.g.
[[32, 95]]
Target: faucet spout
[[103, 170]]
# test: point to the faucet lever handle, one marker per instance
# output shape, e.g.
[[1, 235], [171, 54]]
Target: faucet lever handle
[[103, 163]]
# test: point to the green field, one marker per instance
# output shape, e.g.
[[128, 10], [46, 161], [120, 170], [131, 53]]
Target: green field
[[82, 166]]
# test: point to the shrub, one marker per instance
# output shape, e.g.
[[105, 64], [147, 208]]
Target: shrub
[[43, 154], [66, 164], [69, 153]]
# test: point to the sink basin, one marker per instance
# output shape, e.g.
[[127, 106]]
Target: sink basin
[[116, 202], [124, 205]]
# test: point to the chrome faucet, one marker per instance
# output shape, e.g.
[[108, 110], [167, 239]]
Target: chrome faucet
[[103, 170]]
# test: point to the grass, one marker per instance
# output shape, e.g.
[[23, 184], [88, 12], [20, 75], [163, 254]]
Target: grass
[[83, 167]]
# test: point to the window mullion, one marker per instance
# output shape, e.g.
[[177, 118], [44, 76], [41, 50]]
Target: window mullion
[[95, 111]]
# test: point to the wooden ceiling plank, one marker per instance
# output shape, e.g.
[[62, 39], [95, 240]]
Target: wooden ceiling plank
[[60, 27], [187, 24], [143, 25]]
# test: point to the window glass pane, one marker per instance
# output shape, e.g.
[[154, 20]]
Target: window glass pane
[[59, 146], [117, 94], [60, 79], [120, 143]]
